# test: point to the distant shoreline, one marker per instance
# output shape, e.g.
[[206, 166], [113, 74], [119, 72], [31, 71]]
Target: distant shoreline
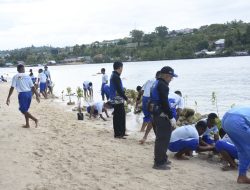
[[83, 63]]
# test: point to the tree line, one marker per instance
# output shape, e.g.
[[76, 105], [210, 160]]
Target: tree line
[[160, 44]]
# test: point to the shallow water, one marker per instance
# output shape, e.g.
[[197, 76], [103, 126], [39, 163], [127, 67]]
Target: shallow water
[[228, 77]]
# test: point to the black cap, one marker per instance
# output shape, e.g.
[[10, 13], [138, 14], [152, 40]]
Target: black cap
[[168, 70]]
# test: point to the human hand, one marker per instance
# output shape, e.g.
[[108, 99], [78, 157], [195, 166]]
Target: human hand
[[173, 122]]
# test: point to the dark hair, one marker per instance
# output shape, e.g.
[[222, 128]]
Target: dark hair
[[19, 67], [117, 65], [178, 92], [31, 70], [138, 88], [157, 75], [212, 116], [90, 84], [103, 70], [201, 125], [40, 70]]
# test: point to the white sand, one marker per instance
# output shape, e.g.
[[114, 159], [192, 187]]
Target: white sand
[[66, 154]]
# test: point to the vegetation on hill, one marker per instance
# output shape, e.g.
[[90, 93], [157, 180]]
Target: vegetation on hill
[[160, 44]]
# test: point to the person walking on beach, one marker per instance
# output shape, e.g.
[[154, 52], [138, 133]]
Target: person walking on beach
[[145, 93], [117, 96], [24, 86], [104, 82], [42, 82], [33, 78], [162, 117], [47, 72], [236, 123]]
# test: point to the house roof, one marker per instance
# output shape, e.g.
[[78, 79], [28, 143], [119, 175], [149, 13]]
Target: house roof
[[220, 41]]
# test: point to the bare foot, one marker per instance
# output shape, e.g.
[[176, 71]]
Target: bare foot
[[25, 126], [228, 168], [182, 157], [36, 122], [142, 141], [243, 179]]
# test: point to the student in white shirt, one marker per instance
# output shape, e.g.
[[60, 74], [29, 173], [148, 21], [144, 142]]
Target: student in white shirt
[[105, 79], [144, 91], [46, 72], [228, 151], [42, 81], [24, 86], [211, 135], [186, 138], [88, 89], [97, 109]]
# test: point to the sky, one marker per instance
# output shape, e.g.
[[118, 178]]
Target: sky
[[61, 23]]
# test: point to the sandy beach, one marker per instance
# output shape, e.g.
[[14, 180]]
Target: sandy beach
[[66, 154]]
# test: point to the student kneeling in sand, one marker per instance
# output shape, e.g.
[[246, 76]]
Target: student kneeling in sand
[[211, 135], [228, 151], [186, 138], [24, 86], [97, 109]]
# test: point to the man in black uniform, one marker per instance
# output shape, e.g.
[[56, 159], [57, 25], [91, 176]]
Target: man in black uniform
[[162, 117], [117, 96]]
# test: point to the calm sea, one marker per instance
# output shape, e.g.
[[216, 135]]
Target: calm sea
[[228, 78]]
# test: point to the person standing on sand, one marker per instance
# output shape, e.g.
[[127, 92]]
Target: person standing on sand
[[117, 96], [236, 123], [24, 87], [162, 117], [42, 82], [104, 82], [176, 106]]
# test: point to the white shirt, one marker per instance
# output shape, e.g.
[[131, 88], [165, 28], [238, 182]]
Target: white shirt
[[22, 82], [98, 106], [186, 132], [212, 130], [105, 78], [42, 77], [47, 73], [147, 87], [86, 84], [175, 100]]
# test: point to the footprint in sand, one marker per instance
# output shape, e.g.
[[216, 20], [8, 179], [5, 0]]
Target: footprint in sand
[[37, 154]]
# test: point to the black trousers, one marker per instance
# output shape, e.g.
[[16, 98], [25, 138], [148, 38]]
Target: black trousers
[[119, 120], [163, 134]]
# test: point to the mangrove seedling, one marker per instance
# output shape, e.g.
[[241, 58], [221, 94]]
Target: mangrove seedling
[[214, 102]]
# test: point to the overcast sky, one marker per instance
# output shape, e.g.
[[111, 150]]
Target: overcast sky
[[61, 23]]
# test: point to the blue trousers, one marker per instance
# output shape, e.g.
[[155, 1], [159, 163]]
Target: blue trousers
[[237, 127]]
